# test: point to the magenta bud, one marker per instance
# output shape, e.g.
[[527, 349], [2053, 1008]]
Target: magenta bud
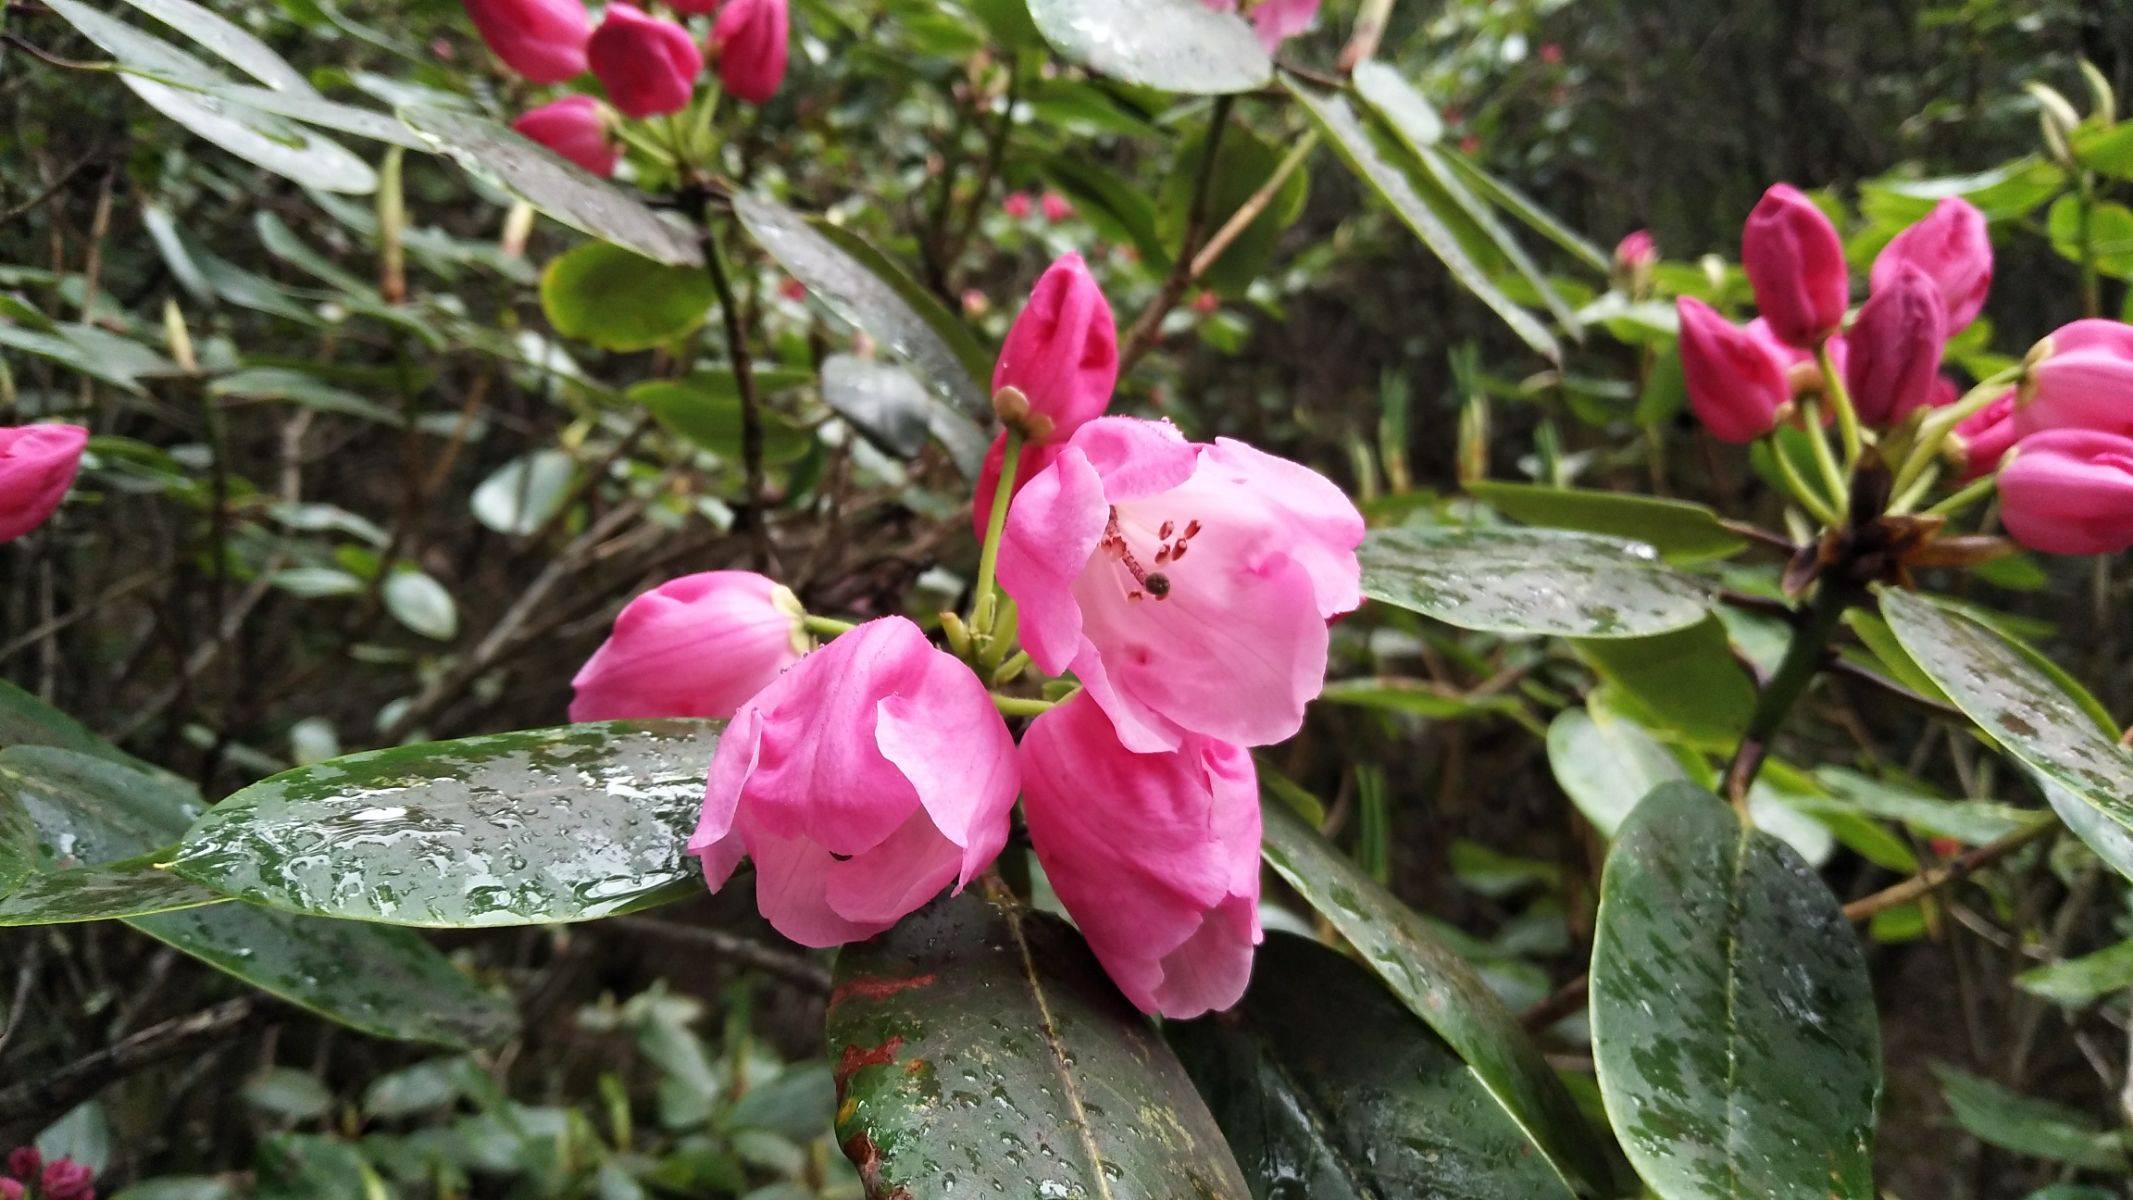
[[749, 42], [1893, 367], [37, 466], [1737, 385], [1062, 352], [543, 40], [2069, 491], [648, 65], [574, 128], [1948, 244], [1796, 265]]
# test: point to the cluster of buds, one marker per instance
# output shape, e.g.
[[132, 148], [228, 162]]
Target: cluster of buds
[[648, 65], [1187, 589], [2053, 436], [30, 1177]]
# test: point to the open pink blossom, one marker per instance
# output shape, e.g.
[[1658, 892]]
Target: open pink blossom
[[1187, 586], [543, 40], [1156, 856], [575, 128], [2069, 491], [2084, 380], [37, 466], [697, 646], [861, 782], [1948, 244]]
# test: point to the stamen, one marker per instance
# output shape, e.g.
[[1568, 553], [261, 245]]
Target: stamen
[[1164, 532]]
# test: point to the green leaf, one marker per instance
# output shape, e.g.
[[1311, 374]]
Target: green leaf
[[1444, 991], [1243, 164], [18, 840], [287, 1093], [1606, 764], [1366, 151], [620, 300], [883, 402], [554, 185], [420, 602], [867, 289], [1529, 212], [1880, 641], [2083, 980], [2108, 239], [27, 721], [2027, 1125], [1370, 1105], [979, 1046], [1685, 681], [1679, 530], [1531, 581], [1418, 697], [1733, 1025], [705, 408], [131, 887], [302, 388], [1973, 822], [1175, 45], [521, 496], [534, 827], [228, 41], [2019, 703]]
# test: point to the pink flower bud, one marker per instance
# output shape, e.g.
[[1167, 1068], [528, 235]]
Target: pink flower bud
[[24, 1162], [1980, 440], [1894, 363], [543, 40], [1156, 856], [1056, 208], [1551, 53], [1017, 205], [2069, 491], [1187, 586], [861, 782], [749, 42], [1062, 352], [1736, 383], [2083, 379], [67, 1180], [1948, 244], [574, 128], [1796, 265], [1276, 21], [648, 65], [1636, 252], [697, 646], [37, 465], [10, 1189]]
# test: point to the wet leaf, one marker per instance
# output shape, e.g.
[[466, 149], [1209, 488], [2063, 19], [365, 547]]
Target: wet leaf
[[2083, 980], [868, 290], [706, 409], [1243, 163], [2027, 1125], [1531, 581], [1444, 991], [228, 41], [980, 1049], [1733, 1025], [132, 887], [522, 828], [883, 402], [554, 185], [18, 841], [1175, 45], [1685, 682], [1382, 165], [519, 497], [1368, 1106], [1678, 530], [419, 602], [1606, 764], [2019, 701]]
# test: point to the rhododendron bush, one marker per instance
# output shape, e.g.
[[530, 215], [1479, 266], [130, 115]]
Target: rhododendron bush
[[1099, 567]]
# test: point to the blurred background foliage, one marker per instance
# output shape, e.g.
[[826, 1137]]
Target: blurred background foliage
[[340, 498]]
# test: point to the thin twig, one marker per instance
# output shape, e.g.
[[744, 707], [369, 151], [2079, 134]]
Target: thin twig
[[752, 513], [796, 969], [60, 1090], [1142, 336]]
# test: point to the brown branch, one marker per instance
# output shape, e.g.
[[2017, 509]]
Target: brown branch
[[797, 969], [62, 1089], [1142, 336]]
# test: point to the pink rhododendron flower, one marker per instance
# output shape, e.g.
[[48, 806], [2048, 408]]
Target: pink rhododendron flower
[[749, 41], [1056, 208], [1636, 252], [1551, 53], [66, 1179], [861, 782], [574, 128], [10, 1190], [1796, 265], [2069, 491], [543, 40], [1948, 244], [1275, 21], [2084, 381], [1017, 205], [1980, 440], [697, 646], [1893, 365], [1187, 586], [23, 1162], [1736, 380], [37, 465], [1156, 856], [648, 65]]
